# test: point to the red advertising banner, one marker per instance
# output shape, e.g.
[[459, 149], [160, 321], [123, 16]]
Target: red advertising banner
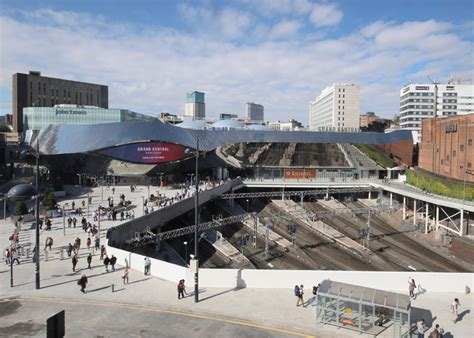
[[299, 173], [148, 152]]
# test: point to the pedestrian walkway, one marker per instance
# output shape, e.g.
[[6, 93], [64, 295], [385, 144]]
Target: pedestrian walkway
[[272, 307]]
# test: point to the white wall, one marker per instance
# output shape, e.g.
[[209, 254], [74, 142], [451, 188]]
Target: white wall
[[275, 279]]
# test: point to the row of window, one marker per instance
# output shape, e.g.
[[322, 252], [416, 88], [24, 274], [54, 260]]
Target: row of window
[[416, 94], [450, 94], [424, 113], [428, 106], [89, 96]]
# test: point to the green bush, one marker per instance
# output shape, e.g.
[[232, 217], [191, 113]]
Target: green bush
[[439, 186], [49, 201], [20, 209], [376, 155]]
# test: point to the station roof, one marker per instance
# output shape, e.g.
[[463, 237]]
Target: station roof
[[361, 294]]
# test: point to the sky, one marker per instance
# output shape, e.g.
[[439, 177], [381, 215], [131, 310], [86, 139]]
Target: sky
[[278, 53]]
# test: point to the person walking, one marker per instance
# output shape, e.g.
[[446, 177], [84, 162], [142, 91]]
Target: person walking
[[113, 260], [69, 222], [181, 289], [74, 262], [455, 310], [300, 296], [97, 243], [102, 252], [106, 263], [147, 264], [89, 243], [89, 260], [48, 243], [125, 275], [69, 250], [411, 287], [83, 282], [421, 328], [438, 332], [74, 221]]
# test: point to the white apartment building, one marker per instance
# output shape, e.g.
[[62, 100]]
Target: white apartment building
[[417, 102], [337, 108]]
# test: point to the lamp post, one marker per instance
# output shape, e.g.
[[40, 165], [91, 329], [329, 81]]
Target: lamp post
[[247, 205], [196, 223], [186, 252]]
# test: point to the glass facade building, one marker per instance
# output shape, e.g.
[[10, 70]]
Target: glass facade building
[[36, 118]]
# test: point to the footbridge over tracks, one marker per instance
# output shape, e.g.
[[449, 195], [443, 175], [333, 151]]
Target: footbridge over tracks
[[434, 209], [118, 235]]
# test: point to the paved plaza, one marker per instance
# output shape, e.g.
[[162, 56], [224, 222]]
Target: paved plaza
[[149, 307]]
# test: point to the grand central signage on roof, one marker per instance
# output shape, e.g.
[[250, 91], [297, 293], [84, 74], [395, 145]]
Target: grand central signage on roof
[[70, 111]]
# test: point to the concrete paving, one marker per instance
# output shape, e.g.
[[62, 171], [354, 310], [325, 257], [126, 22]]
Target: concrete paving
[[149, 306]]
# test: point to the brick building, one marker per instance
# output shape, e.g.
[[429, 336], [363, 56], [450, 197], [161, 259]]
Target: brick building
[[447, 147]]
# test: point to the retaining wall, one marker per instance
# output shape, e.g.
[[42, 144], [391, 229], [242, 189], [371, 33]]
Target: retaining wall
[[275, 279]]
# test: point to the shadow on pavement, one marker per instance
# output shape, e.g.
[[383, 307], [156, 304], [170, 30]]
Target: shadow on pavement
[[73, 280], [462, 314], [101, 288], [139, 280], [217, 294]]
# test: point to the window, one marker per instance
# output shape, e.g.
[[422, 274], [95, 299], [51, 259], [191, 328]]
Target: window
[[343, 90], [469, 142], [454, 153], [469, 164], [447, 158], [462, 147], [441, 161]]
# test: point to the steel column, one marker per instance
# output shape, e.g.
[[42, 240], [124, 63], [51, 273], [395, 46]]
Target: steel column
[[414, 212]]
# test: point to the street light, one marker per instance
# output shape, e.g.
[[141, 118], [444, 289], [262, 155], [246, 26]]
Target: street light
[[247, 205], [196, 223], [186, 250]]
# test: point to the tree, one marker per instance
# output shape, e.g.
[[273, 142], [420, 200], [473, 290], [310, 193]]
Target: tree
[[49, 201], [4, 128], [20, 209]]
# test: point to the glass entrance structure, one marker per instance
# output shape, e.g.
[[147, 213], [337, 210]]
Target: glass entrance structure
[[362, 309]]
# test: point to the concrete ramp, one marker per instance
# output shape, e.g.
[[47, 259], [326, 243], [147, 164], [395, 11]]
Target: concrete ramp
[[292, 208]]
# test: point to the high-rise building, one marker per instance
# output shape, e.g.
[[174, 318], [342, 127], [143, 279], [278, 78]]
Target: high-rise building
[[195, 106], [337, 108], [254, 112], [417, 102], [34, 90]]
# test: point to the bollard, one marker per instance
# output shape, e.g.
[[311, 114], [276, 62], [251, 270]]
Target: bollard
[[62, 254], [45, 255], [113, 288]]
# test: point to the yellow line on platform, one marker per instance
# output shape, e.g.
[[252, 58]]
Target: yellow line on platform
[[175, 312]]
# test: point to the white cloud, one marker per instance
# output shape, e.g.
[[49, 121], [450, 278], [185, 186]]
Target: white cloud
[[325, 14], [151, 70], [285, 29]]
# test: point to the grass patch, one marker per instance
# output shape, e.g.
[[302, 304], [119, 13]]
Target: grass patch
[[376, 155], [439, 186]]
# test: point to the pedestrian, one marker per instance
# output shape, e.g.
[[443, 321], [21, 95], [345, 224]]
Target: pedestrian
[[49, 243], [69, 222], [88, 243], [121, 215], [411, 287], [297, 294], [125, 275], [112, 262], [97, 243], [102, 252], [300, 297], [74, 221], [147, 264], [83, 203], [74, 262], [89, 260], [438, 332], [83, 282], [181, 289], [69, 250], [106, 263], [113, 191], [73, 205], [455, 310], [421, 328]]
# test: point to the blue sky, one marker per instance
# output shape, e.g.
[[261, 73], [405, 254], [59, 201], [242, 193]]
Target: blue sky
[[278, 53]]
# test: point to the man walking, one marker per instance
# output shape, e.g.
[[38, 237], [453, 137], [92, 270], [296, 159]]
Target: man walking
[[421, 328], [125, 275], [83, 282], [74, 262], [455, 310], [113, 260], [411, 287], [147, 264], [106, 263], [89, 260]]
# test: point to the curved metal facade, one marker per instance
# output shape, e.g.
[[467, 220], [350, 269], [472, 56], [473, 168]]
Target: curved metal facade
[[72, 139]]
